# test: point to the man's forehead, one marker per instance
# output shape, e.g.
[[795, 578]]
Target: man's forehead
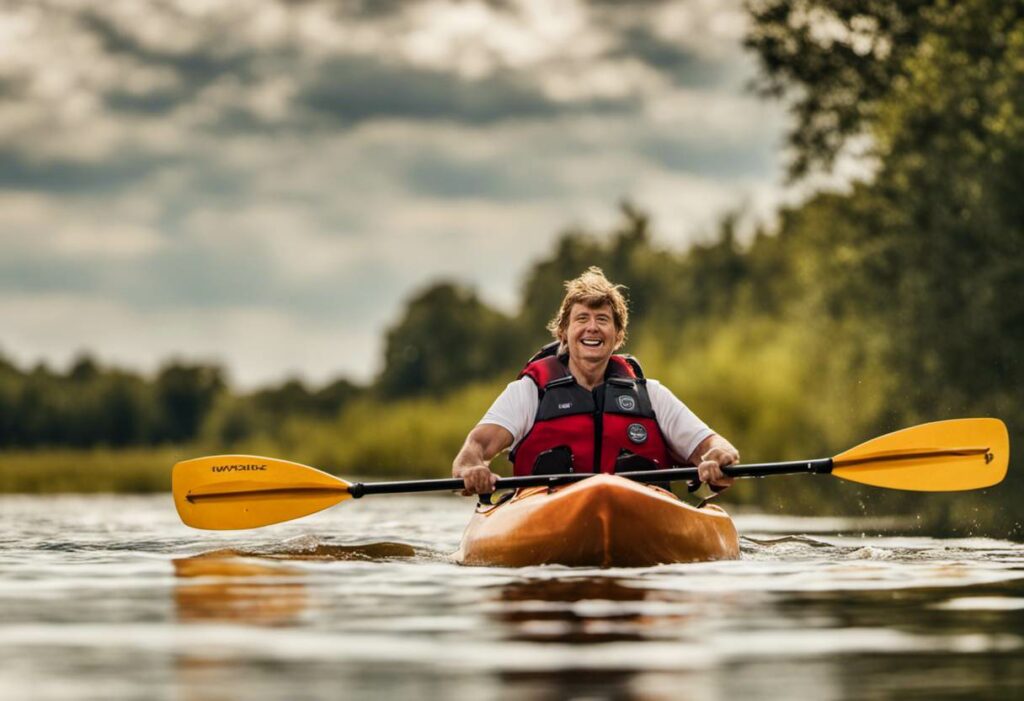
[[582, 307]]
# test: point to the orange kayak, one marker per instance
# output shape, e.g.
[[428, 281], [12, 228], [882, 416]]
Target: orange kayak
[[602, 521]]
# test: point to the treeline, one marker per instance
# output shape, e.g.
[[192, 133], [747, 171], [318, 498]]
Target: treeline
[[90, 405]]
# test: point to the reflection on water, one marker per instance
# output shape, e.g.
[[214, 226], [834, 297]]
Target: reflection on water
[[588, 610], [106, 597], [234, 588], [245, 585]]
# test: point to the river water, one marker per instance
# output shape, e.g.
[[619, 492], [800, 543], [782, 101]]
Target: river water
[[105, 597]]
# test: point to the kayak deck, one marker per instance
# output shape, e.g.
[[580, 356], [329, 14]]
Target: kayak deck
[[603, 521]]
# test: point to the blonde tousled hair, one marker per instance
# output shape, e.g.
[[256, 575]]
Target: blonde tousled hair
[[592, 289]]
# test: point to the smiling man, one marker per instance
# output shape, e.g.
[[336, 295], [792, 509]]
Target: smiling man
[[580, 407]]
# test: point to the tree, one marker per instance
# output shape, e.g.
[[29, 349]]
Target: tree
[[446, 338], [836, 60], [185, 394], [938, 87]]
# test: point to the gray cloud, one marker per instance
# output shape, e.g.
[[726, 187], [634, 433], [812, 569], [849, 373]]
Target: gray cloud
[[750, 157], [12, 89], [680, 64], [195, 69], [356, 89], [35, 274], [437, 175], [200, 278], [19, 171]]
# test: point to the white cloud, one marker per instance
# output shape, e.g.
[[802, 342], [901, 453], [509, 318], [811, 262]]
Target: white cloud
[[713, 28], [475, 38], [110, 240], [255, 345], [285, 234], [40, 225], [720, 118]]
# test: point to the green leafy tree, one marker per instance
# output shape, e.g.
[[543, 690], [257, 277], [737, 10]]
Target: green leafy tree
[[937, 237], [837, 60], [185, 393], [446, 338]]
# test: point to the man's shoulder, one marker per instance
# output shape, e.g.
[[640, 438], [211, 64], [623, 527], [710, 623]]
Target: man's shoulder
[[654, 385], [521, 385], [519, 390], [661, 396]]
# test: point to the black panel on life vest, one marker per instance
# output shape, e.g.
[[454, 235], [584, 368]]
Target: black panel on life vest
[[627, 396], [564, 400]]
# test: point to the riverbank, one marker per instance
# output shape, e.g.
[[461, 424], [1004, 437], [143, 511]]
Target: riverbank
[[139, 470], [124, 471]]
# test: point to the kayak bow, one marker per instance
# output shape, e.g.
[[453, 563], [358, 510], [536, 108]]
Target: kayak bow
[[604, 521]]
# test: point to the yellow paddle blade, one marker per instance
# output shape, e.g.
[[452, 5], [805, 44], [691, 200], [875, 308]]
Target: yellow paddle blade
[[943, 456], [224, 492]]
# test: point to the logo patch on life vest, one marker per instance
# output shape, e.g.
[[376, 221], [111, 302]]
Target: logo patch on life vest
[[565, 405], [626, 402], [637, 433]]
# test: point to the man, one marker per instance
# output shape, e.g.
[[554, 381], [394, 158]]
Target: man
[[576, 407]]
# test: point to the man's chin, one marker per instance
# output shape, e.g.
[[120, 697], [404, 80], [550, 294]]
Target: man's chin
[[593, 354]]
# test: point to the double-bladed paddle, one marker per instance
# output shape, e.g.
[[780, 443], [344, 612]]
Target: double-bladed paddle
[[223, 492]]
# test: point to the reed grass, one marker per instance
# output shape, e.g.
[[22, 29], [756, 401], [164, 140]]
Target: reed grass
[[128, 471]]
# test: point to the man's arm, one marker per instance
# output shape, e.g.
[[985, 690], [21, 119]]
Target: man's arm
[[681, 427], [482, 444], [711, 455]]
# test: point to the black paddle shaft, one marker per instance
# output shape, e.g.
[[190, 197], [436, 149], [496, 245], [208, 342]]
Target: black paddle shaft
[[822, 466]]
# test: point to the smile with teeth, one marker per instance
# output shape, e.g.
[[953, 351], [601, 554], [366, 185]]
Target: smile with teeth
[[590, 341]]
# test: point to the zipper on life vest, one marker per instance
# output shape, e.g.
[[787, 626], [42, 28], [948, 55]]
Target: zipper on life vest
[[598, 393]]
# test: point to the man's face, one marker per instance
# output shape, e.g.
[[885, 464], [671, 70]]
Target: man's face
[[591, 334]]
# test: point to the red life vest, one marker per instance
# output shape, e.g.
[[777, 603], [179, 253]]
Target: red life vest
[[610, 429]]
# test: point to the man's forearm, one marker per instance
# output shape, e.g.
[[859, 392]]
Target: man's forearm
[[472, 464], [482, 444], [710, 443], [471, 455]]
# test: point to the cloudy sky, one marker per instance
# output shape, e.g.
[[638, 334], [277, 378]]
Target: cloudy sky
[[264, 182]]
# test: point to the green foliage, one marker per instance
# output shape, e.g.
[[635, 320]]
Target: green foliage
[[930, 252], [378, 437], [836, 59], [184, 394], [447, 337], [136, 470], [293, 398], [933, 247]]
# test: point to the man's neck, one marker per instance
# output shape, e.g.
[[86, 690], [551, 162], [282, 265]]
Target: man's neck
[[588, 374]]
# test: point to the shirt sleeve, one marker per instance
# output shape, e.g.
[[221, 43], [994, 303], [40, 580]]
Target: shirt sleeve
[[514, 409], [683, 429]]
